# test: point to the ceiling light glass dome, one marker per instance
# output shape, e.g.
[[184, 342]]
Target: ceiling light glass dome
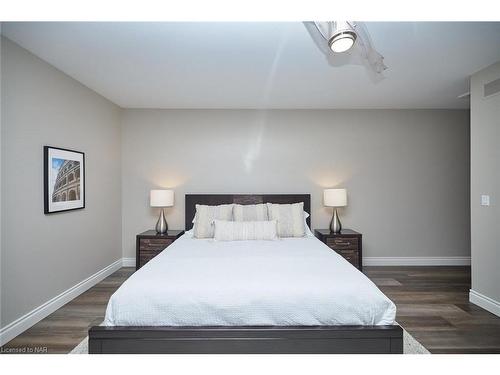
[[342, 41]]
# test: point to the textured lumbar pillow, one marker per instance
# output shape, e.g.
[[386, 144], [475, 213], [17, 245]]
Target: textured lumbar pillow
[[205, 216], [245, 230], [290, 218], [250, 212]]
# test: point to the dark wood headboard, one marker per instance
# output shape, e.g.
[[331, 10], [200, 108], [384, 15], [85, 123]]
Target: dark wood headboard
[[215, 199]]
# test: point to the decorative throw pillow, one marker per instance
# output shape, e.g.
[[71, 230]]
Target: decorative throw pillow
[[250, 212], [290, 218], [245, 230], [205, 216]]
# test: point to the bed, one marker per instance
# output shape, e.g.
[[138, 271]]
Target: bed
[[291, 295]]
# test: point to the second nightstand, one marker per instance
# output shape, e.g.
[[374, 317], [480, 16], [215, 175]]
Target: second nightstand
[[149, 244], [347, 243]]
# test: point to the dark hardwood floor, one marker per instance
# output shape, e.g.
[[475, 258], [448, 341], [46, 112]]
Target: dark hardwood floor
[[62, 330], [433, 306]]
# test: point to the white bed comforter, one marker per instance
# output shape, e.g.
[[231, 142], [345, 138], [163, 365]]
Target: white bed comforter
[[284, 282]]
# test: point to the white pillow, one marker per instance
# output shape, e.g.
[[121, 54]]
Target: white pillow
[[205, 216], [250, 212], [245, 230], [290, 218], [308, 231]]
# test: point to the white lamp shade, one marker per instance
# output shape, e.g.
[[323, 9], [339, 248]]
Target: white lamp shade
[[161, 198], [335, 197]]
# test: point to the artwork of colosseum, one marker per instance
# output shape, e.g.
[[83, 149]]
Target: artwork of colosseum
[[67, 184]]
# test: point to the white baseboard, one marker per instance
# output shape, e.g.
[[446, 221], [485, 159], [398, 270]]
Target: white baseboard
[[416, 261], [128, 262], [20, 325], [485, 302]]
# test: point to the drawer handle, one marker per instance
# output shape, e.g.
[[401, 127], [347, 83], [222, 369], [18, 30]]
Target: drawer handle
[[342, 242]]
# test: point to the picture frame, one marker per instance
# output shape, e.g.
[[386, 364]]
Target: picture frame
[[64, 179]]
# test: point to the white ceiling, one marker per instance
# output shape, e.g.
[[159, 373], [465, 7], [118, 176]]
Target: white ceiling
[[261, 65]]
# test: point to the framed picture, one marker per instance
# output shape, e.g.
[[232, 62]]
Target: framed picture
[[64, 179]]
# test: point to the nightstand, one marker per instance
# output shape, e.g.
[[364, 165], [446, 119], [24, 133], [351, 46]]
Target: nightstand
[[149, 244], [347, 243]]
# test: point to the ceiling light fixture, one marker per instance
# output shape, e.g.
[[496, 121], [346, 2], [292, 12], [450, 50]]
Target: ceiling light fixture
[[343, 37], [347, 42]]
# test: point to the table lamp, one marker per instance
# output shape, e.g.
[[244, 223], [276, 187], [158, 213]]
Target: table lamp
[[161, 198], [335, 198]]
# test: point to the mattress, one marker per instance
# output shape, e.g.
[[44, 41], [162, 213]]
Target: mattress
[[202, 282]]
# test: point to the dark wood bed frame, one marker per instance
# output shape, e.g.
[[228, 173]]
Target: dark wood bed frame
[[246, 339]]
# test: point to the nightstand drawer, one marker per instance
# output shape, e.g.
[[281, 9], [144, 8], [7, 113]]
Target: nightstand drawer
[[151, 247], [348, 244], [150, 243], [145, 257], [150, 253], [350, 255], [341, 243], [154, 244]]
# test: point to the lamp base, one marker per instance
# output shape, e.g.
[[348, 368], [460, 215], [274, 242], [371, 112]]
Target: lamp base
[[335, 224], [161, 224]]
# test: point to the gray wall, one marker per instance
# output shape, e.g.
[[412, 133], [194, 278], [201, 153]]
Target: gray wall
[[485, 179], [1, 298], [406, 171], [44, 255]]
